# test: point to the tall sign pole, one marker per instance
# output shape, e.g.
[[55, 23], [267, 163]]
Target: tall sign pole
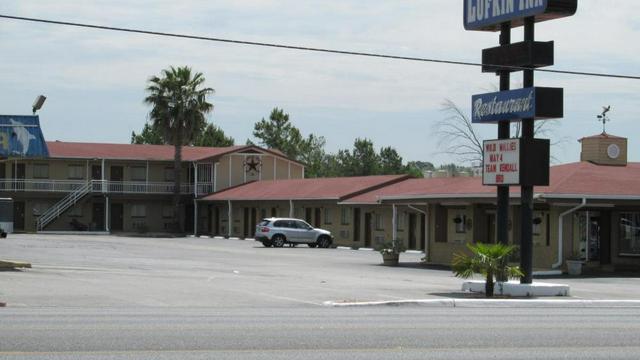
[[523, 161], [526, 190], [504, 129]]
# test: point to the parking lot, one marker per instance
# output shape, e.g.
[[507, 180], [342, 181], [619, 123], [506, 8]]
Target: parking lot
[[115, 271]]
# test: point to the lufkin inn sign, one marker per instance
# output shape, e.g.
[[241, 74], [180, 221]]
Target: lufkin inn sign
[[487, 15]]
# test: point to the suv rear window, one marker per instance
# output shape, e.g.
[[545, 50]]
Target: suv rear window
[[264, 223], [281, 223]]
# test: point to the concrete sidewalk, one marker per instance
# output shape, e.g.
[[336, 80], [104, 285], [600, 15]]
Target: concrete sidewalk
[[495, 303]]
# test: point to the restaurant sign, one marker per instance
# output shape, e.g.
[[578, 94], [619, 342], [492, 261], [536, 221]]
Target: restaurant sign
[[528, 103], [487, 15]]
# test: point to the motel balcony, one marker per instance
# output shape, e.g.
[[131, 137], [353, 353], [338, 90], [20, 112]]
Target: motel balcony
[[102, 186]]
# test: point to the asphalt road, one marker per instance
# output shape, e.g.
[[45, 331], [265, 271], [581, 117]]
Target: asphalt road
[[107, 297], [307, 332]]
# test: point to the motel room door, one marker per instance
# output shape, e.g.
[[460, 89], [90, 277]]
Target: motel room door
[[412, 231], [356, 224], [116, 177], [117, 219], [18, 215], [19, 176], [367, 229], [97, 216]]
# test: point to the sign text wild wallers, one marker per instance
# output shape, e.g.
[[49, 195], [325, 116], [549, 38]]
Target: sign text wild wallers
[[501, 162]]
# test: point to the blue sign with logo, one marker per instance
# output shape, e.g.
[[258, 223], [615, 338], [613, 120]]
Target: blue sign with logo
[[21, 136], [487, 15], [527, 103]]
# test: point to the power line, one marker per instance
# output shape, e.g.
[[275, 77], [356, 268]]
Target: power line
[[314, 49]]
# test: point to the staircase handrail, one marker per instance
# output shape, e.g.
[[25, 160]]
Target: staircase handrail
[[61, 206]]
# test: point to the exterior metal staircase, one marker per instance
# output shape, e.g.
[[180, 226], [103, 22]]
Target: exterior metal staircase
[[63, 205]]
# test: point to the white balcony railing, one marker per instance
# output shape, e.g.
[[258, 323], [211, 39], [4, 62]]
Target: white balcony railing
[[101, 186]]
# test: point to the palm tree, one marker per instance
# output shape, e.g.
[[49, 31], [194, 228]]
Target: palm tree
[[179, 106], [489, 260]]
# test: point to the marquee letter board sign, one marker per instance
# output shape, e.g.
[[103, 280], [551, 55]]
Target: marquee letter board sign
[[516, 162]]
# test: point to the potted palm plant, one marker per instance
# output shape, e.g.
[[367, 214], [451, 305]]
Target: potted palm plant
[[391, 252], [489, 260]]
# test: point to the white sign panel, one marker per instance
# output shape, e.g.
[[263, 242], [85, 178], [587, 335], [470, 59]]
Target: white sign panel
[[501, 164]]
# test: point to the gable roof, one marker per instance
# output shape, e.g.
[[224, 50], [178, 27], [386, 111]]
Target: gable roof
[[574, 180], [588, 179], [78, 150], [305, 189]]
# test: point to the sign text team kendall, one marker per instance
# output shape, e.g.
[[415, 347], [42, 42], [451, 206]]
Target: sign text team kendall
[[488, 14]]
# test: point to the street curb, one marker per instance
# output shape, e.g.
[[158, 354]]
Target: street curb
[[494, 303], [8, 264]]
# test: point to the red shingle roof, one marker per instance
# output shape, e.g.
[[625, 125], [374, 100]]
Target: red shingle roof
[[309, 189], [411, 188], [76, 150], [572, 180], [585, 178], [575, 179]]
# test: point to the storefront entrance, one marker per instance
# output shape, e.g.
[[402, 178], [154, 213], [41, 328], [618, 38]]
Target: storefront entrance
[[592, 234]]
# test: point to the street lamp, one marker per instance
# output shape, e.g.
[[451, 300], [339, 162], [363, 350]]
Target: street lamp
[[37, 104]]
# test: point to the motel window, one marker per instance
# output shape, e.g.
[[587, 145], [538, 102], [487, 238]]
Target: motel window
[[167, 211], [400, 221], [538, 223], [345, 216], [138, 173], [40, 171], [328, 216], [138, 210], [630, 234], [460, 221], [76, 172], [379, 222], [169, 174]]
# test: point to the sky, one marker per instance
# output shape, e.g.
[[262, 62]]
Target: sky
[[94, 80]]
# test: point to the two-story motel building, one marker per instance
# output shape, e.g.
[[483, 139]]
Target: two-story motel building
[[591, 208]]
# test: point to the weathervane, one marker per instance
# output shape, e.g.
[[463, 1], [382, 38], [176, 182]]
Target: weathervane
[[603, 117]]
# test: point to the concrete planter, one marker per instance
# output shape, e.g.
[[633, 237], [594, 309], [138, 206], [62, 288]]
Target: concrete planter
[[390, 259], [574, 267]]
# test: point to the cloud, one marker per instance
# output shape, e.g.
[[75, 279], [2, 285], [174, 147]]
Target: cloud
[[350, 91]]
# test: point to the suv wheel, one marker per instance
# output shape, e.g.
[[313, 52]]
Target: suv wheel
[[267, 243], [278, 241], [324, 242]]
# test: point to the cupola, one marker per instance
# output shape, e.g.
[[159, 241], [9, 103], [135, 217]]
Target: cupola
[[604, 149]]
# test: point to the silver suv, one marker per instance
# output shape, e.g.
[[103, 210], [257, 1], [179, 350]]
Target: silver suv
[[279, 231]]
